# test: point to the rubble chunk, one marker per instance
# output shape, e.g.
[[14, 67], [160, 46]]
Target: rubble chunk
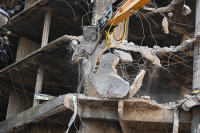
[[136, 84], [165, 25], [74, 44], [106, 81], [189, 104], [125, 57], [147, 53], [145, 97], [129, 46], [186, 10]]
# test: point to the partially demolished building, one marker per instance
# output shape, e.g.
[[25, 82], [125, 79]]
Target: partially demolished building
[[57, 77]]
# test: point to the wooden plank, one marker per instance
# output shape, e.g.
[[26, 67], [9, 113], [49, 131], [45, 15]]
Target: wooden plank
[[34, 114]]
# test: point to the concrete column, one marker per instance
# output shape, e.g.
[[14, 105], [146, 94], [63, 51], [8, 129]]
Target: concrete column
[[195, 125], [196, 73], [18, 99], [40, 73], [196, 67]]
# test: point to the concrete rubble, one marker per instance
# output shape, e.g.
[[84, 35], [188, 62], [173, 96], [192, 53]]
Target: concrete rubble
[[186, 10], [106, 80], [103, 100], [124, 57], [136, 84], [146, 52], [168, 8], [165, 25], [145, 97], [74, 44], [152, 54], [188, 102]]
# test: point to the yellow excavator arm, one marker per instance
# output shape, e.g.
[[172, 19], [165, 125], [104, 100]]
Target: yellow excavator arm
[[124, 10], [118, 11], [94, 35]]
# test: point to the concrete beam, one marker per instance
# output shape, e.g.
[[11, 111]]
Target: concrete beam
[[99, 113], [148, 115], [129, 111], [33, 114]]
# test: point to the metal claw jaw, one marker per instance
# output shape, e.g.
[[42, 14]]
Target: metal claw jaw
[[88, 43]]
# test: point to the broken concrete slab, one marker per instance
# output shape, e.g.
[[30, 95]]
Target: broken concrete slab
[[124, 57], [186, 104], [129, 47], [161, 51], [189, 104], [150, 55], [136, 84], [106, 81], [146, 52]]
